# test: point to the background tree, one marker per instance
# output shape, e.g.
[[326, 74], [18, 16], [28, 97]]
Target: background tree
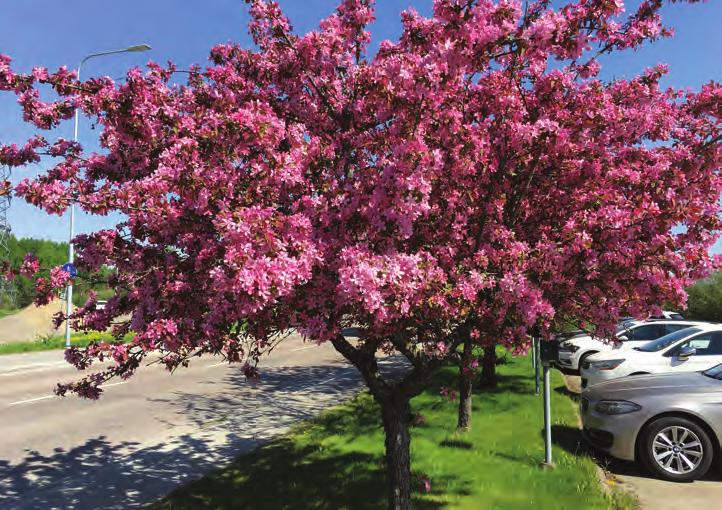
[[50, 254], [705, 299], [454, 179]]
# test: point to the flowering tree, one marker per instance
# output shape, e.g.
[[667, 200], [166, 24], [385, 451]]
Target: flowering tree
[[454, 186]]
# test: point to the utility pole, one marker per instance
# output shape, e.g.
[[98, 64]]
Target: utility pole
[[7, 287]]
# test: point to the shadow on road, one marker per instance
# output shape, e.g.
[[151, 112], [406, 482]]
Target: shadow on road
[[235, 419]]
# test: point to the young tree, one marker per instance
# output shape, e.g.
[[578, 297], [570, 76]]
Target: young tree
[[454, 179]]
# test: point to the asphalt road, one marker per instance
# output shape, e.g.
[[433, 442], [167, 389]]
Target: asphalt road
[[147, 435], [656, 494]]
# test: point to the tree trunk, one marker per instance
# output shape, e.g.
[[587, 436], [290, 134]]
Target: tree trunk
[[396, 413], [488, 367], [465, 383]]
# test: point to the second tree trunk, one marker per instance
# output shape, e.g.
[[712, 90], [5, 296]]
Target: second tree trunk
[[465, 387], [488, 367]]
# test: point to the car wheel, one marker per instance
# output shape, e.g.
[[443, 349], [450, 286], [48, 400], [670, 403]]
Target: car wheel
[[583, 358], [676, 449]]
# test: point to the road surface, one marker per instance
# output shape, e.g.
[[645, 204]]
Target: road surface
[[147, 435]]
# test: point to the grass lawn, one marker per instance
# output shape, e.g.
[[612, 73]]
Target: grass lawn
[[5, 312], [55, 342], [335, 461]]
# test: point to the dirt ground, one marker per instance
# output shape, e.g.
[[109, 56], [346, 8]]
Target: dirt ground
[[29, 323], [655, 494]]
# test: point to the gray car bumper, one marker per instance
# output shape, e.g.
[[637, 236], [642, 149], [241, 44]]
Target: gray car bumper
[[616, 434]]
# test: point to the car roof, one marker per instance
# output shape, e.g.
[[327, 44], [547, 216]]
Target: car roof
[[708, 326], [670, 321]]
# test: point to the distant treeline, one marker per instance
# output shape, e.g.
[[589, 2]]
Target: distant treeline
[[50, 254], [705, 299]]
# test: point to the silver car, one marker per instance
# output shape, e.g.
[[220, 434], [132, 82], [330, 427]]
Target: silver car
[[670, 422]]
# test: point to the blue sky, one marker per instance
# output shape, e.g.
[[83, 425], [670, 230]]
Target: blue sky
[[50, 33]]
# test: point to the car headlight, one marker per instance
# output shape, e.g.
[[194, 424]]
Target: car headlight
[[616, 407], [568, 346], [609, 364]]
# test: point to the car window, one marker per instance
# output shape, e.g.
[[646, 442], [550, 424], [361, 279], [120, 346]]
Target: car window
[[646, 332], [667, 340], [714, 372], [671, 328], [713, 346], [699, 343], [676, 317], [706, 344]]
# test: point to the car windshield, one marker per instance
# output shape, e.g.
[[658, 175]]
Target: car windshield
[[667, 340], [714, 372]]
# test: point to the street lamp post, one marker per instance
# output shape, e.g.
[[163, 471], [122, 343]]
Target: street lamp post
[[71, 252]]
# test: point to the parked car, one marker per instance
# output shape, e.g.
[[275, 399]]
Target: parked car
[[672, 423], [687, 350], [573, 351]]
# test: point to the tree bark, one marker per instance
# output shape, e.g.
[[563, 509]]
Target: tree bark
[[396, 414], [465, 386], [394, 399], [488, 367]]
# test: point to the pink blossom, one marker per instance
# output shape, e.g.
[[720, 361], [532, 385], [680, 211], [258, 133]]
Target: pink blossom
[[30, 266], [58, 278]]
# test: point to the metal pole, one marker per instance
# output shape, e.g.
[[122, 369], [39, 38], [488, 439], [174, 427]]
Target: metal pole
[[71, 234], [533, 351], [536, 366], [547, 419], [71, 252]]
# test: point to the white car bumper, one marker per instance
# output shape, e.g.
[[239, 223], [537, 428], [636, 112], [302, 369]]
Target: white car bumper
[[569, 359]]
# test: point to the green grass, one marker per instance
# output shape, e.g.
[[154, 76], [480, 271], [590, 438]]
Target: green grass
[[49, 343], [4, 312], [336, 462]]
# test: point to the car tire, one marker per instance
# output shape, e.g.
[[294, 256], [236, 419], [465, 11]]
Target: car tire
[[583, 358], [676, 449]]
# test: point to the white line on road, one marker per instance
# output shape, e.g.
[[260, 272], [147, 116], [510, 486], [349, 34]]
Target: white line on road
[[32, 368], [30, 400], [303, 348], [114, 384], [36, 399]]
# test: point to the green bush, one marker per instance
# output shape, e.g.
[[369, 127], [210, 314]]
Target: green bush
[[705, 299]]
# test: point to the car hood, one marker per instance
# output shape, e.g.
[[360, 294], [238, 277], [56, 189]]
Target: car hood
[[687, 382]]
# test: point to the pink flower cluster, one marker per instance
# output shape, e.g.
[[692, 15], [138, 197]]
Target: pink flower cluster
[[30, 266]]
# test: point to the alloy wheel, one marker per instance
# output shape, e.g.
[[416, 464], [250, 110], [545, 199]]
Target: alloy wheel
[[677, 450]]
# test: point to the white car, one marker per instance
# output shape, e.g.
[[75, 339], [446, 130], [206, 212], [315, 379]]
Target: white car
[[573, 351], [688, 350]]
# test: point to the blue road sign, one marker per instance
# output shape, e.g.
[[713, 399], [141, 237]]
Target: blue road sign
[[70, 269]]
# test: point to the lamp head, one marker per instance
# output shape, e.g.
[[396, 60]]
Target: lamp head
[[138, 47]]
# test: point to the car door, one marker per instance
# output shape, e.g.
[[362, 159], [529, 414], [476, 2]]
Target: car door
[[640, 335], [708, 353]]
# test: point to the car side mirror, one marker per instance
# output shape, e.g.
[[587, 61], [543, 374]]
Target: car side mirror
[[623, 338], [686, 351]]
